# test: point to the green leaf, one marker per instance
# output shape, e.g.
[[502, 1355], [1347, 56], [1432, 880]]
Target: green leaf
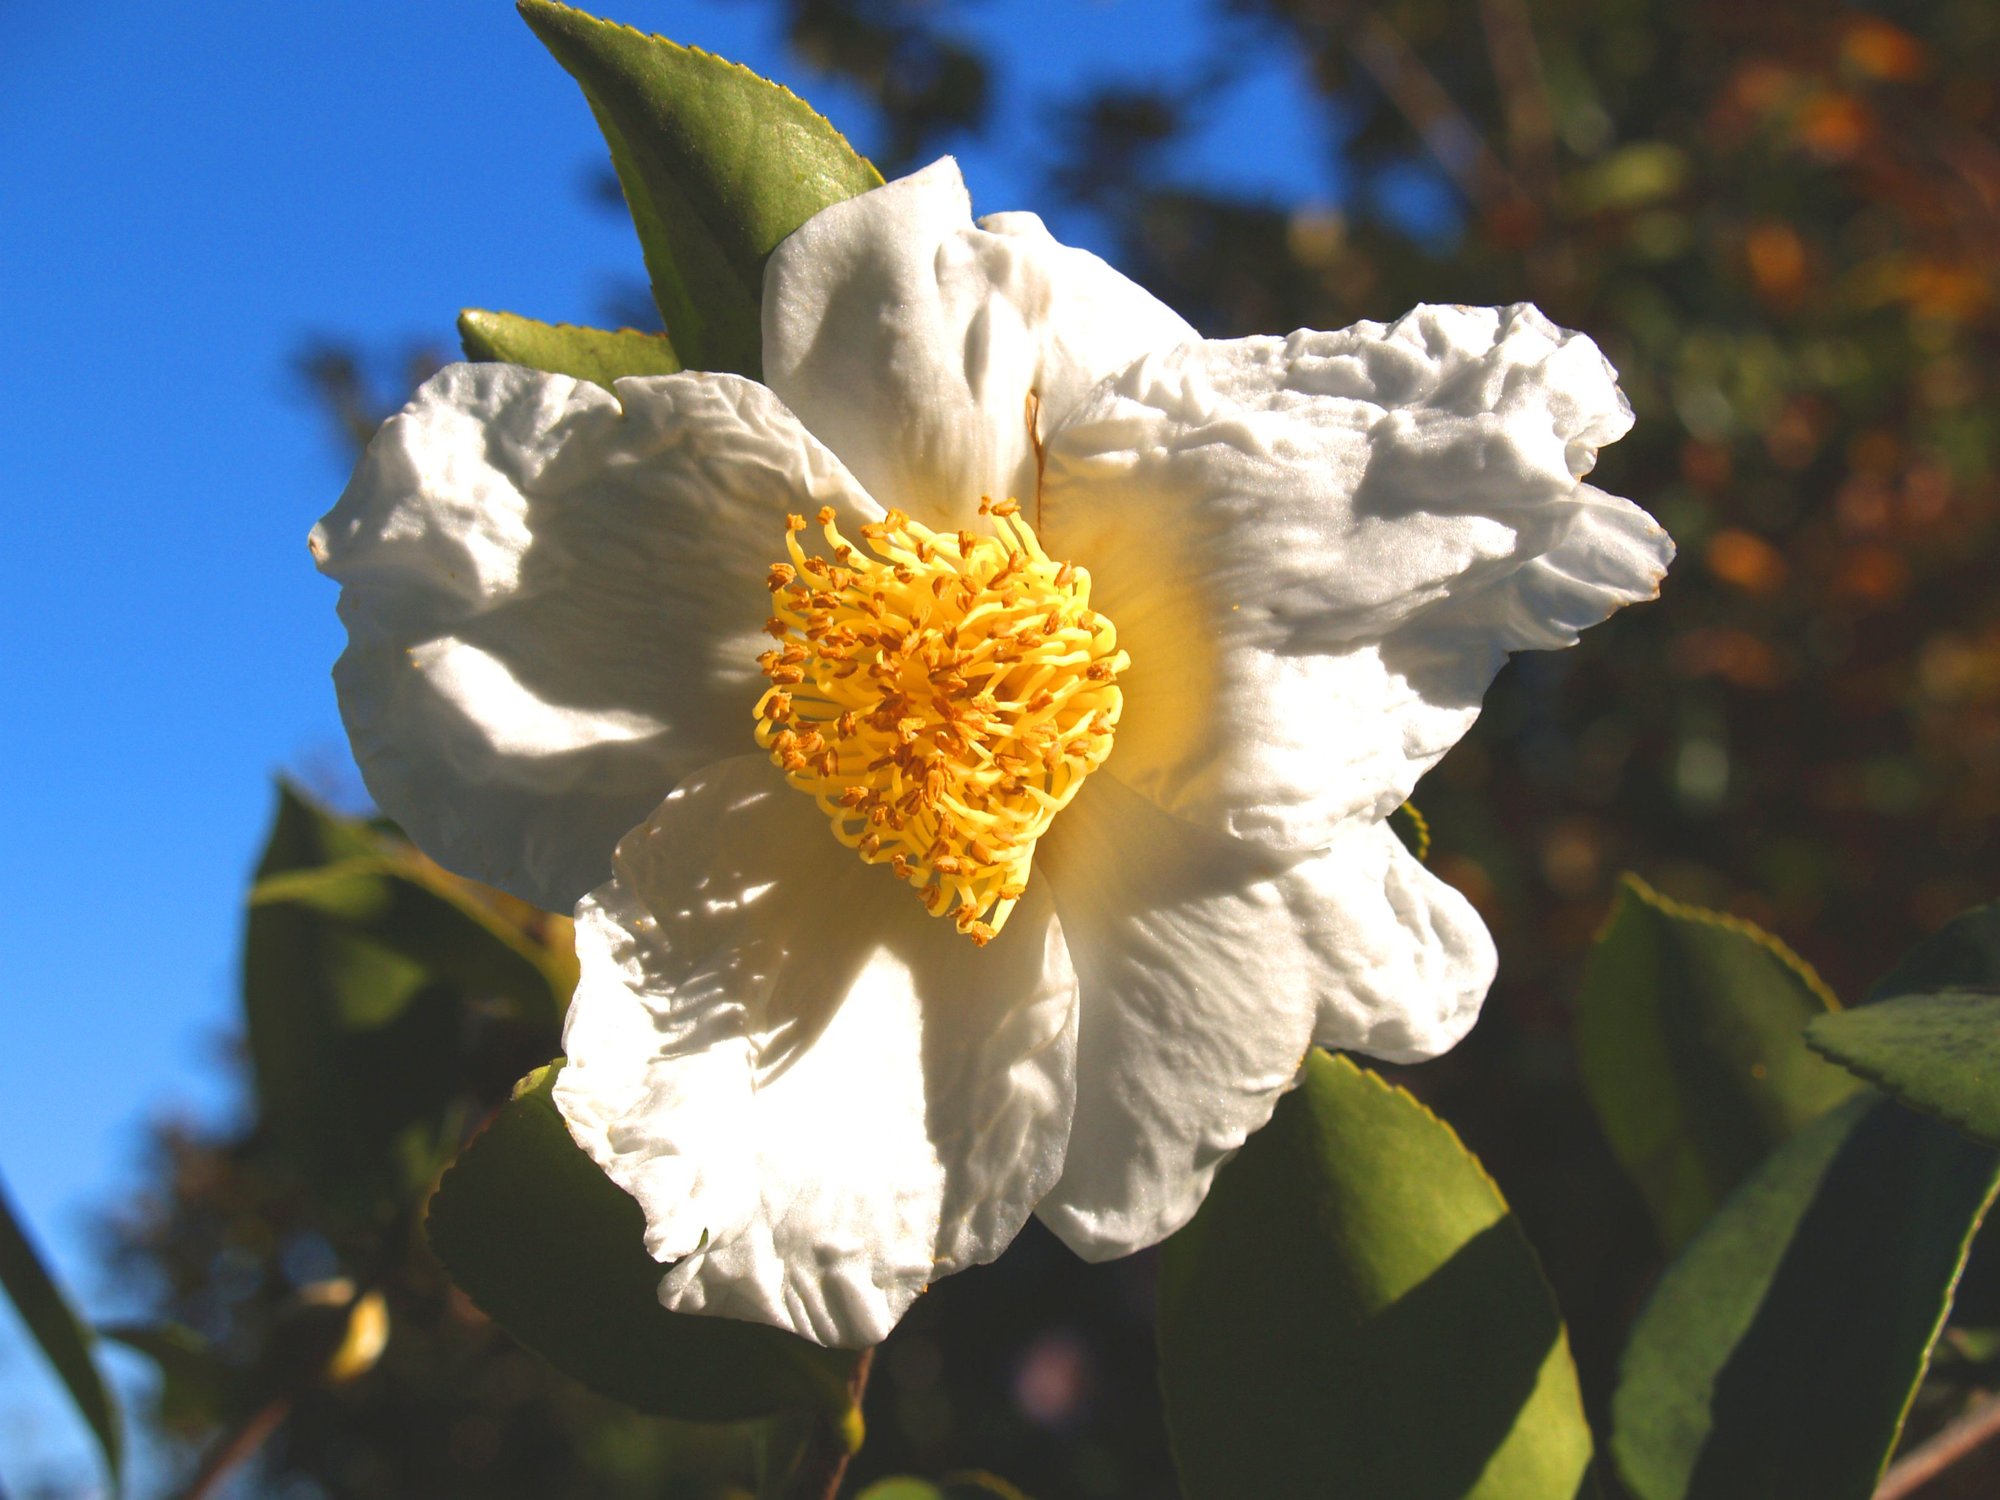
[[1355, 1312], [1937, 1053], [432, 922], [196, 1387], [1930, 1032], [718, 166], [554, 1251], [370, 977], [1689, 1035], [1779, 1354], [1964, 954], [953, 1487], [64, 1338], [598, 355]]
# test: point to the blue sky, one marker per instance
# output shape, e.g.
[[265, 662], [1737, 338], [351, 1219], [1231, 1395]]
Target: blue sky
[[186, 193]]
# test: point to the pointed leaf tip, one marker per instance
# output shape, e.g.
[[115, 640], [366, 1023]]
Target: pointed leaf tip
[[718, 165], [599, 355]]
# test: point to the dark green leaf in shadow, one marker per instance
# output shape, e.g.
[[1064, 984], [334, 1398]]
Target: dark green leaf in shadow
[[431, 924], [1930, 1032], [598, 355], [1964, 954], [62, 1337], [718, 165], [1355, 1313], [1780, 1352], [553, 1250], [369, 979], [1937, 1053], [1689, 1033], [196, 1387]]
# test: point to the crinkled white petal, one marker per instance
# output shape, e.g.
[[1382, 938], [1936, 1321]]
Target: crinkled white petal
[[1319, 549], [823, 1097], [1411, 960], [1206, 967], [909, 338], [553, 598]]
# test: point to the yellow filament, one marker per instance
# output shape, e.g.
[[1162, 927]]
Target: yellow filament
[[941, 699]]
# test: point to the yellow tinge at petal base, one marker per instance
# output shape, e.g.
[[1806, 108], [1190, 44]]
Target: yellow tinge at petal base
[[942, 700]]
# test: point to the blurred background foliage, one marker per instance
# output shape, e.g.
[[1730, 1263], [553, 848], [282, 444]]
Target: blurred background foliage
[[1782, 223]]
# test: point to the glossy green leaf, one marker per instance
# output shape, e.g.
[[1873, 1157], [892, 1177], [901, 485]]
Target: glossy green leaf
[[1355, 1313], [718, 165], [1780, 1352], [62, 1337], [1964, 954], [368, 977], [196, 1387], [553, 1251], [1689, 1033], [952, 1487], [599, 355], [1937, 1053], [1930, 1034], [432, 923]]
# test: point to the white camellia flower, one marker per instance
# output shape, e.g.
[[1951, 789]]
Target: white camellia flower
[[1102, 653]]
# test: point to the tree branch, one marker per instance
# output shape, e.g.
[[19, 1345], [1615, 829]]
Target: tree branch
[[1531, 141], [1957, 1441], [237, 1447], [1524, 93], [1446, 131]]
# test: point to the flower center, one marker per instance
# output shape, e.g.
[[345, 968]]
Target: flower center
[[942, 700]]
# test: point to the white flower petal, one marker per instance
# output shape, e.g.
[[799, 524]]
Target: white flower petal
[[908, 338], [554, 599], [1318, 551], [1206, 967], [823, 1097], [1411, 961]]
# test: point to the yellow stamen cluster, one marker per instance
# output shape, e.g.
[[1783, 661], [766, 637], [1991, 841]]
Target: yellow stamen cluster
[[941, 699]]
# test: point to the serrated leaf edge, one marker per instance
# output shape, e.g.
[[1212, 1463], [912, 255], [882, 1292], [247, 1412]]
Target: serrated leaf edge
[[1485, 1176], [527, 8], [1892, 1091], [1342, 1059], [1634, 885], [501, 312], [1930, 1344], [1972, 1228]]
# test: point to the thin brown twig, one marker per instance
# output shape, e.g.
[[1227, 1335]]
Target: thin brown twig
[[237, 1447], [1446, 130], [1956, 1442], [296, 1362], [1516, 59], [1524, 91]]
